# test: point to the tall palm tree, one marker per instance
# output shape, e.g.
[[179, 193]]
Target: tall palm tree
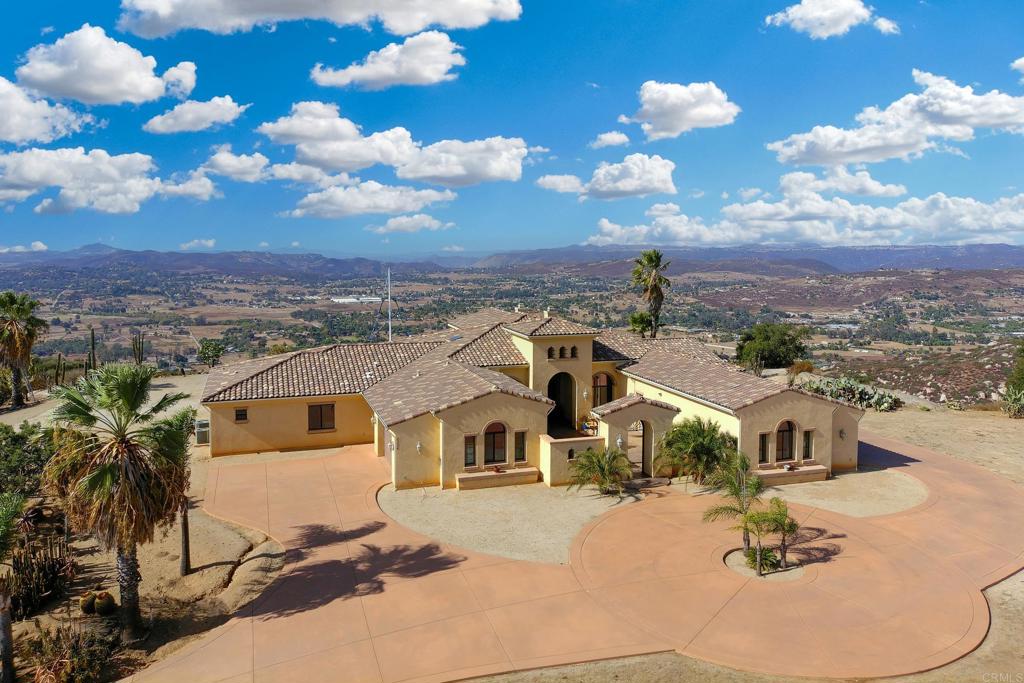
[[782, 524], [741, 489], [10, 511], [120, 471], [649, 275], [699, 446], [19, 330]]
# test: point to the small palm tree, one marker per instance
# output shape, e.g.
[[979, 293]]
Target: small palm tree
[[606, 469], [741, 489], [640, 323], [698, 446], [783, 525], [759, 524], [649, 275], [20, 328], [11, 505], [119, 471]]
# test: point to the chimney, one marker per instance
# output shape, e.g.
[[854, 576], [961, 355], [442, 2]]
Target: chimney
[[516, 309], [547, 312]]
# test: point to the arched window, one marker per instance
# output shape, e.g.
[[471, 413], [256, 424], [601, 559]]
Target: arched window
[[602, 389], [784, 438], [573, 353], [551, 352], [494, 444], [561, 352], [571, 454]]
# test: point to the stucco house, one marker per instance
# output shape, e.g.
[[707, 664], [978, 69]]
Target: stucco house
[[505, 397]]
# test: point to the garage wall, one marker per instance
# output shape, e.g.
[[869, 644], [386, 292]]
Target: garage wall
[[282, 424]]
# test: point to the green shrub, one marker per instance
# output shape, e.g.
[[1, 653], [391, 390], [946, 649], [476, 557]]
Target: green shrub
[[1013, 405], [606, 469], [87, 603], [67, 653], [860, 395], [23, 453], [769, 559], [105, 605]]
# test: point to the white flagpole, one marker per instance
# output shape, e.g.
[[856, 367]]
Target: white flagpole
[[389, 303]]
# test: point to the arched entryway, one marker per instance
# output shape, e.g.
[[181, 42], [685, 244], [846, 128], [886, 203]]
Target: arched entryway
[[562, 390], [641, 448]]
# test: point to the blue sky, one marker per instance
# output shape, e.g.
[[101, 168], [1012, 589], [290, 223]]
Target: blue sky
[[705, 88]]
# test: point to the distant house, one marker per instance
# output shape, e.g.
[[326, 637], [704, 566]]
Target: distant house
[[508, 397]]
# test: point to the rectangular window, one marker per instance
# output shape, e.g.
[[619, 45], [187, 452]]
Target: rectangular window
[[762, 448], [321, 416], [470, 451], [241, 414], [808, 444], [520, 446]]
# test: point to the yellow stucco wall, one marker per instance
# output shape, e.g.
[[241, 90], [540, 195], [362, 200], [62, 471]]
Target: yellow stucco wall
[[554, 456], [542, 369], [845, 425], [806, 412], [282, 424], [412, 467], [687, 409], [517, 414], [520, 374]]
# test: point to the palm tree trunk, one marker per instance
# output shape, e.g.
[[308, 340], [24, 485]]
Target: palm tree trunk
[[655, 315], [128, 578], [186, 557], [757, 558], [782, 551], [746, 541], [17, 387], [6, 641]]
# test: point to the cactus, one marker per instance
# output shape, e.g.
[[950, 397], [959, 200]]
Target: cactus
[[105, 605], [60, 371], [87, 603], [37, 574], [139, 347]]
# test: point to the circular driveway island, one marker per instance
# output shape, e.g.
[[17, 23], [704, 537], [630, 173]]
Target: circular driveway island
[[364, 595]]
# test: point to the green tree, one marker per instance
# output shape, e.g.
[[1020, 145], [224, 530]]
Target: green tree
[[697, 447], [759, 524], [640, 323], [649, 275], [740, 488], [781, 523], [772, 345], [606, 469], [20, 328], [11, 505], [23, 454], [119, 469], [210, 351], [1016, 378]]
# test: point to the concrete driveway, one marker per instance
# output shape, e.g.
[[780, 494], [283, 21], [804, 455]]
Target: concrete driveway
[[364, 599]]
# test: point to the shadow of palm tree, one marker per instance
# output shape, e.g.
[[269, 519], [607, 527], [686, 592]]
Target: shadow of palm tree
[[312, 536], [317, 584], [811, 545]]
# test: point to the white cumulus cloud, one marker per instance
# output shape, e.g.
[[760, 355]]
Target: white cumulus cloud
[[1018, 65], [667, 110], [198, 243], [368, 197], [612, 138], [191, 116], [822, 19], [457, 163], [413, 223], [24, 118], [247, 168], [915, 123], [89, 66], [21, 248], [423, 59], [637, 175], [152, 18], [97, 180]]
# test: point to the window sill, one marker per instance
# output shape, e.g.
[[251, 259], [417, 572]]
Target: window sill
[[321, 431]]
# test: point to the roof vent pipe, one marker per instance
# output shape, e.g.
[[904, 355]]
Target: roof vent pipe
[[547, 312]]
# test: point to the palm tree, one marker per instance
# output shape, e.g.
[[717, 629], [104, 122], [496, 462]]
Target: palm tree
[[783, 525], [185, 420], [759, 524], [119, 470], [649, 274], [10, 511], [741, 489], [605, 469], [699, 446], [19, 330], [640, 323]]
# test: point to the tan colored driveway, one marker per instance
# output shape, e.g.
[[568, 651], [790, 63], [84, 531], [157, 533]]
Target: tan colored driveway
[[364, 599]]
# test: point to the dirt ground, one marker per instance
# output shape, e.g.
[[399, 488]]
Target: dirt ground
[[986, 438]]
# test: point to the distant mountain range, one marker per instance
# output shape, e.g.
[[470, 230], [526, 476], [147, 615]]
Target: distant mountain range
[[610, 261]]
